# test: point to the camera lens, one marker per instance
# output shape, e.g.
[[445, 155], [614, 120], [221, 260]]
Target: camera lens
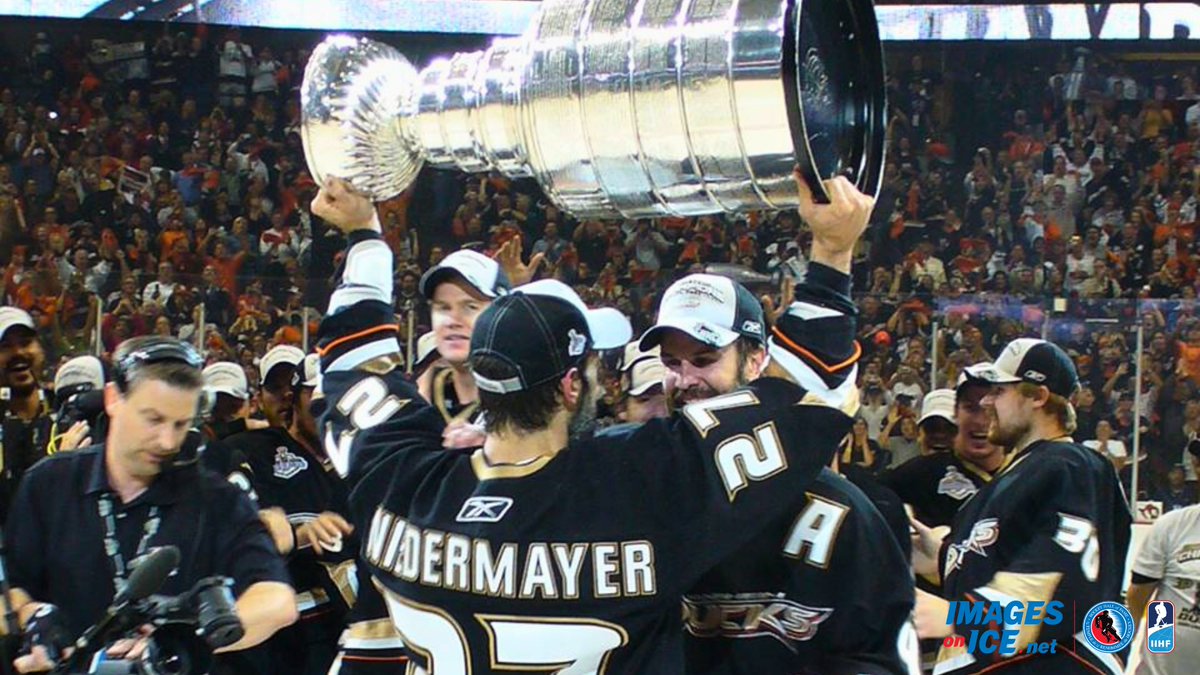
[[219, 623]]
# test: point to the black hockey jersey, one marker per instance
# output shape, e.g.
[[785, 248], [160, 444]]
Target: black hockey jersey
[[578, 559], [935, 485], [289, 476], [1052, 525], [824, 590]]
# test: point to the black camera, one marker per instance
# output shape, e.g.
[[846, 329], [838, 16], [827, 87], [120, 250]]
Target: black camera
[[83, 406], [187, 628]]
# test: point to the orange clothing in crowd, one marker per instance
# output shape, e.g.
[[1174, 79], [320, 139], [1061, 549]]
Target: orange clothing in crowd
[[227, 271], [166, 242], [1189, 355]]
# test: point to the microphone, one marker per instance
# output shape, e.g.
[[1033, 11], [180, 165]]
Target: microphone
[[149, 574]]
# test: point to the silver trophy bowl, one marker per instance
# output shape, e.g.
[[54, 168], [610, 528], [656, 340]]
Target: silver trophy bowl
[[618, 108]]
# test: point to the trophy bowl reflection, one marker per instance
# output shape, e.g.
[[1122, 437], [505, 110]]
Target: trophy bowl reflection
[[618, 108]]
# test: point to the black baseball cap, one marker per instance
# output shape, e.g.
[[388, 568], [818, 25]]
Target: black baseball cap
[[542, 330], [1034, 361], [481, 272], [711, 309]]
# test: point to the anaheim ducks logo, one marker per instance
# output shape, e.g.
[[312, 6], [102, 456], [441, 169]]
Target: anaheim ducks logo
[[747, 615], [983, 534]]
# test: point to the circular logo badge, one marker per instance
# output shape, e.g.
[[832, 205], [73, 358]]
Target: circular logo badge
[[1108, 627]]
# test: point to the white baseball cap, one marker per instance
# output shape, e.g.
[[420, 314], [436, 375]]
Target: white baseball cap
[[81, 371], [645, 368], [226, 377], [426, 349], [711, 309], [310, 371], [938, 403], [478, 270], [11, 317], [634, 353], [645, 374], [608, 326], [277, 356]]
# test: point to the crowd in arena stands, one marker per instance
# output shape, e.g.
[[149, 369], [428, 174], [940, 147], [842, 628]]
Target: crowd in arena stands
[[171, 196]]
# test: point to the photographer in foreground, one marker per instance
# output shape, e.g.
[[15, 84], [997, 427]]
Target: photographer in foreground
[[80, 518]]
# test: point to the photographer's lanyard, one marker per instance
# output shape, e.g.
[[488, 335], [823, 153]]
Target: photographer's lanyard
[[108, 514]]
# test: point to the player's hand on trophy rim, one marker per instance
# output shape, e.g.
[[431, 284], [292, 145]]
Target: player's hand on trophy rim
[[339, 204], [836, 226]]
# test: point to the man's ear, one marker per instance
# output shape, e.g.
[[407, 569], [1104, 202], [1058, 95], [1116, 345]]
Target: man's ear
[[571, 387], [1042, 398], [112, 399], [758, 362]]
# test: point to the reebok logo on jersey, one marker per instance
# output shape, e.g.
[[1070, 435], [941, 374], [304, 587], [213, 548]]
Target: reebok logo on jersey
[[484, 509]]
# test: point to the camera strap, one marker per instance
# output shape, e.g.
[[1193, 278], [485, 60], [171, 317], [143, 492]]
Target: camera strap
[[108, 514]]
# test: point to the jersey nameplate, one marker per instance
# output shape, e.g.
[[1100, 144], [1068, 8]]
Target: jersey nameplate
[[552, 570]]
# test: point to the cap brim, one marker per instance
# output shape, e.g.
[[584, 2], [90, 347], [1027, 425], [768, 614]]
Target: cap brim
[[988, 372], [700, 331], [644, 387], [230, 391], [15, 325], [652, 375], [609, 328], [937, 413]]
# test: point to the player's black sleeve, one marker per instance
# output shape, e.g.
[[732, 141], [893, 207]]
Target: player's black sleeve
[[889, 504], [362, 387], [245, 550], [873, 634], [716, 473]]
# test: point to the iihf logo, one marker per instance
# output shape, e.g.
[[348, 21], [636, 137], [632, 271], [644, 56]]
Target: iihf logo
[[1160, 627], [1108, 627]]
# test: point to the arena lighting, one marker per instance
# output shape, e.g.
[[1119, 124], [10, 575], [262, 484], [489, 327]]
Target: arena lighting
[[1054, 21]]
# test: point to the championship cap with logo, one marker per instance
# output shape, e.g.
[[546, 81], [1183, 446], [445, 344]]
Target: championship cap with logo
[[1034, 361], [711, 309], [541, 331]]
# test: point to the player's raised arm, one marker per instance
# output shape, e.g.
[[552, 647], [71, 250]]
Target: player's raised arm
[[813, 342], [736, 460], [363, 385]]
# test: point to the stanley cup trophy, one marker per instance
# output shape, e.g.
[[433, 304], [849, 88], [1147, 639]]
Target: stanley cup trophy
[[618, 108]]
